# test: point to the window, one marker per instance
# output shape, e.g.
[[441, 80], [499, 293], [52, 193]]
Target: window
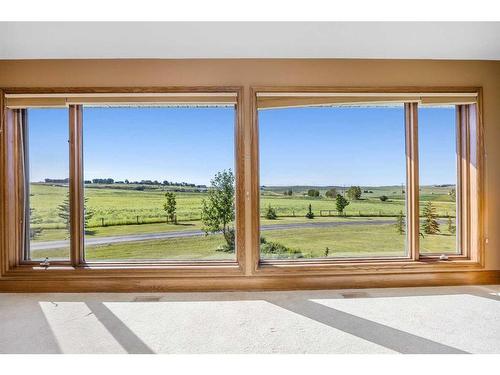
[[159, 183], [179, 184], [145, 178], [333, 182], [367, 176], [45, 134], [437, 140]]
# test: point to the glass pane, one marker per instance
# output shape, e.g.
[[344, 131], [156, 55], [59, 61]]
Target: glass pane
[[159, 183], [333, 182], [47, 142], [438, 178]]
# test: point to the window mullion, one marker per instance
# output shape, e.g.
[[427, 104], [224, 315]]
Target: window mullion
[[463, 178], [76, 184], [412, 184]]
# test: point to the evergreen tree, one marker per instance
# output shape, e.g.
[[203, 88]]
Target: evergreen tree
[[400, 223], [453, 194], [34, 219], [310, 214], [430, 224], [451, 227], [64, 212]]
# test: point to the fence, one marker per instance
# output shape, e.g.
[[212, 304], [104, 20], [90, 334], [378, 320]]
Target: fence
[[347, 213], [99, 222], [138, 220]]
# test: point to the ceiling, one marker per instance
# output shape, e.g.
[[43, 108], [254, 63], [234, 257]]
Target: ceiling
[[386, 40]]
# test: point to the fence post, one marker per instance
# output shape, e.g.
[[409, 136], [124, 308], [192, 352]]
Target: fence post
[[137, 218], [102, 221]]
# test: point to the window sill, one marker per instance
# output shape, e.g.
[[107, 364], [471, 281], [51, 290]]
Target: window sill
[[313, 267], [127, 269], [364, 266]]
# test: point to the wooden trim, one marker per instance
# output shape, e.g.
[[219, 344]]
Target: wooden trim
[[255, 181], [284, 282], [118, 90], [76, 192], [269, 100], [469, 186], [482, 203], [463, 180], [24, 186], [248, 273], [239, 149], [76, 188], [413, 210], [4, 244], [476, 185], [11, 191], [63, 102], [367, 90], [412, 180]]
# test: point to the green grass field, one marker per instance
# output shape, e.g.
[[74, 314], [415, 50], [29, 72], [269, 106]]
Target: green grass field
[[120, 206]]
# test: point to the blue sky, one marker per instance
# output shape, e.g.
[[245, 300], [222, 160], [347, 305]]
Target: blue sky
[[352, 146], [302, 146]]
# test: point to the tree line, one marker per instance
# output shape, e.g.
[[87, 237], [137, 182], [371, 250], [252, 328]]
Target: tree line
[[353, 193], [111, 181]]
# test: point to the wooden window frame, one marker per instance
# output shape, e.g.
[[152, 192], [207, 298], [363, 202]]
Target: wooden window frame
[[248, 271], [76, 185], [469, 185]]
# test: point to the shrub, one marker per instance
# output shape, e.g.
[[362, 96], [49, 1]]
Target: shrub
[[228, 247], [271, 213], [273, 248], [383, 198], [279, 250]]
